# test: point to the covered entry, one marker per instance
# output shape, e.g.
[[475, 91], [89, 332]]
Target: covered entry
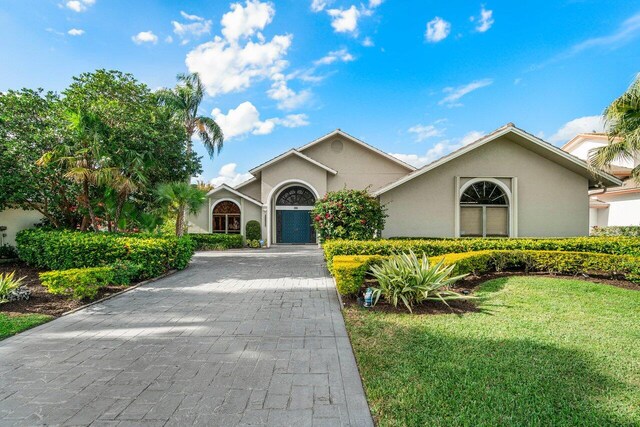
[[293, 215]]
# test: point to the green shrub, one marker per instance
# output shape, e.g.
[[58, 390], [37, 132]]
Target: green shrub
[[8, 252], [253, 230], [254, 244], [79, 283], [411, 280], [607, 245], [125, 272], [350, 270], [216, 241], [626, 231], [348, 214], [8, 284], [62, 250]]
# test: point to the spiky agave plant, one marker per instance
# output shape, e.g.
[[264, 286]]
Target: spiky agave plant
[[411, 280], [8, 283]]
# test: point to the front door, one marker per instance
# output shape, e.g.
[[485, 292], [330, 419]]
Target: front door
[[295, 226]]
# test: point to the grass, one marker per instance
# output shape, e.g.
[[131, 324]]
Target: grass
[[13, 324], [542, 351]]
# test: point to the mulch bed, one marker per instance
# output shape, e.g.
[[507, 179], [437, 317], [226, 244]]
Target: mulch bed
[[468, 285], [41, 301]]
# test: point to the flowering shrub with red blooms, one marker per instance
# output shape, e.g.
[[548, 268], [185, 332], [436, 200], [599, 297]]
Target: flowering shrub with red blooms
[[348, 214]]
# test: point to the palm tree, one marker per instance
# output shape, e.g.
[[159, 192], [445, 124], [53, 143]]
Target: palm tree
[[623, 120], [184, 100], [178, 198]]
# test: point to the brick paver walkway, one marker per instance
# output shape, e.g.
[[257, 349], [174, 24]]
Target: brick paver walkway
[[238, 338]]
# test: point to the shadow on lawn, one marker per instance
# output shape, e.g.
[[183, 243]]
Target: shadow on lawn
[[422, 375]]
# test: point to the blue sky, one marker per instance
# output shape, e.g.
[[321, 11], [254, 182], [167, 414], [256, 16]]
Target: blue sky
[[414, 78]]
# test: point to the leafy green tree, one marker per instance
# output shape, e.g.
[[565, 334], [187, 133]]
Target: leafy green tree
[[623, 120], [178, 198], [184, 100], [32, 122]]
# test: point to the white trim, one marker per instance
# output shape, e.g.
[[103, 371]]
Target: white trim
[[293, 151], [235, 202], [507, 192], [279, 188], [359, 142], [293, 208], [488, 138], [233, 191], [242, 184]]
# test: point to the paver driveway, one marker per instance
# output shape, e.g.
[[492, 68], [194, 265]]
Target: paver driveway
[[243, 337]]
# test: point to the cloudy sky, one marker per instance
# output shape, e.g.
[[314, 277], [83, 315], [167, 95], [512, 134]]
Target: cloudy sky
[[415, 78]]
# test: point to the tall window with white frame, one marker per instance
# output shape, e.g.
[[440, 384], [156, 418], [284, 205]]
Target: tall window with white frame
[[226, 218], [484, 211]]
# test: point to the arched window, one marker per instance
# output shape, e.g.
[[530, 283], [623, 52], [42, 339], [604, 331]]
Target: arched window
[[226, 217], [484, 211], [296, 196]]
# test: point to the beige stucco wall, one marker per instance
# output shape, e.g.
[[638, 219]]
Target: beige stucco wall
[[357, 166], [16, 220], [296, 168], [252, 189], [248, 211], [551, 200]]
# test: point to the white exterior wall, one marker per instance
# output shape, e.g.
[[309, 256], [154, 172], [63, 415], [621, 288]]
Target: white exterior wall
[[16, 220]]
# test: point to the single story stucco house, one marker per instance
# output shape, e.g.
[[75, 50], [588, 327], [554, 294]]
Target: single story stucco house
[[508, 183]]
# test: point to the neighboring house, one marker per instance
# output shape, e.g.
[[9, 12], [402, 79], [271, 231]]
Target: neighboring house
[[508, 184], [14, 220], [619, 205]]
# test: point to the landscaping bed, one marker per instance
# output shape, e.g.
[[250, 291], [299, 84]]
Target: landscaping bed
[[539, 350], [41, 301]]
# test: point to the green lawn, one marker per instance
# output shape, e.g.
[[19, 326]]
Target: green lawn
[[11, 325], [542, 352]]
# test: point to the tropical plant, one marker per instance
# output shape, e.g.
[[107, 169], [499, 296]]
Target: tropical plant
[[253, 230], [348, 214], [411, 280], [184, 100], [623, 120], [8, 284], [179, 198]]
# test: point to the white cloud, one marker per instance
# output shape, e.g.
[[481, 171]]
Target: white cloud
[[440, 149], [229, 64], [79, 5], [345, 20], [75, 32], [335, 55], [168, 39], [245, 118], [437, 30], [228, 175], [455, 93], [627, 31], [197, 26], [319, 5], [367, 42], [189, 17], [423, 132], [246, 21], [573, 127], [145, 37], [288, 99], [485, 20], [375, 3]]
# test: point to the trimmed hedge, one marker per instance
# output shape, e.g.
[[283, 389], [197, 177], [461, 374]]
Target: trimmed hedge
[[79, 283], [216, 241], [617, 230], [62, 250], [606, 245], [350, 271], [253, 230]]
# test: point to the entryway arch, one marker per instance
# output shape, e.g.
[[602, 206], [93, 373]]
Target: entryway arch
[[290, 210]]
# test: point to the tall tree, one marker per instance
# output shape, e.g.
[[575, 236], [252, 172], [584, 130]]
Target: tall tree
[[179, 198], [184, 100], [623, 120]]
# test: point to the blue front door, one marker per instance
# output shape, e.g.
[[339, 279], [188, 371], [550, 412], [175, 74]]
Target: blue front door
[[294, 226]]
